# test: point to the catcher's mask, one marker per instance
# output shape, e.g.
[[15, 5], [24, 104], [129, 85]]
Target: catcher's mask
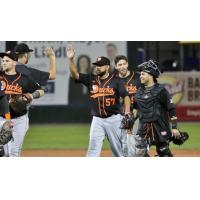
[[151, 67]]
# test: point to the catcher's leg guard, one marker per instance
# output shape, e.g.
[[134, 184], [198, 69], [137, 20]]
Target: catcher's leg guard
[[141, 147], [163, 150]]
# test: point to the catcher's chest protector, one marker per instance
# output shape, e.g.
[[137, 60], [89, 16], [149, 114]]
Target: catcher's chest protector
[[148, 102]]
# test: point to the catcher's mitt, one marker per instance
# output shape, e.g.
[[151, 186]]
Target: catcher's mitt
[[179, 141], [18, 103], [6, 133], [127, 121]]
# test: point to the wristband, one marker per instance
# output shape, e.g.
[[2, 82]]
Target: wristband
[[7, 116], [36, 94]]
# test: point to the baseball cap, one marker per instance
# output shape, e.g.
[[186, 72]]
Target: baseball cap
[[101, 61], [22, 48], [12, 55]]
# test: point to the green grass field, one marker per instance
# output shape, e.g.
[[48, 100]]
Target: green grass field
[[76, 136]]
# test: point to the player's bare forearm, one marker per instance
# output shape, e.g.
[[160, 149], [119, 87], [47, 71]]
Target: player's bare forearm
[[72, 66], [73, 69], [41, 92], [127, 104], [52, 58], [52, 67]]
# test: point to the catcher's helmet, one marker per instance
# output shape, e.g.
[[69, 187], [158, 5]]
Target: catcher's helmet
[[151, 67]]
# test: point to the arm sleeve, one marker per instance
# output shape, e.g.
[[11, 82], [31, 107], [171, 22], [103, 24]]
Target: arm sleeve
[[84, 79], [4, 106], [38, 76], [166, 101], [33, 86]]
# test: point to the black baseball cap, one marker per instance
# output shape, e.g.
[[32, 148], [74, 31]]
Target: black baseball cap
[[11, 54], [101, 61], [22, 48]]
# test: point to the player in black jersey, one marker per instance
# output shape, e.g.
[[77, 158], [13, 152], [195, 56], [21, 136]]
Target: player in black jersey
[[131, 81], [17, 84], [155, 110], [38, 76], [104, 94]]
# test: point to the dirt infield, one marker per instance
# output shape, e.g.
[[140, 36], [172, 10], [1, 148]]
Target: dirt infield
[[105, 153]]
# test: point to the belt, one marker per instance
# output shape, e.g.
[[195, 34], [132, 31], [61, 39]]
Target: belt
[[104, 116]]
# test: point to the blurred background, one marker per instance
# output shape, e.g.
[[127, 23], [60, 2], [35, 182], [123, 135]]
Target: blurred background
[[66, 103]]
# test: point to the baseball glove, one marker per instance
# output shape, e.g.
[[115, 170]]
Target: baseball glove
[[184, 136], [6, 133], [127, 121], [18, 103]]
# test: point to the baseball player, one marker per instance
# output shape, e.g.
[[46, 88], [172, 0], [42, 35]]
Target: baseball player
[[38, 76], [104, 93], [131, 81], [17, 84], [155, 106]]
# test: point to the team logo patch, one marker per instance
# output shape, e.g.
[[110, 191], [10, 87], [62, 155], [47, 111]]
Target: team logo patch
[[100, 92], [13, 89], [132, 89]]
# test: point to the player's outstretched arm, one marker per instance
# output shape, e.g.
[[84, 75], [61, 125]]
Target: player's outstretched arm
[[72, 66], [52, 66]]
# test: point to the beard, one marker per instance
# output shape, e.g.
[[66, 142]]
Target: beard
[[123, 73], [101, 73]]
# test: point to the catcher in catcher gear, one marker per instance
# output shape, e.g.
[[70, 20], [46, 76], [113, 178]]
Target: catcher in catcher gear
[[20, 90], [154, 105]]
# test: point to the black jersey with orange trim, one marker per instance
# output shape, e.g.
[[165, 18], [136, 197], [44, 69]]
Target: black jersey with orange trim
[[18, 84], [104, 94], [132, 83]]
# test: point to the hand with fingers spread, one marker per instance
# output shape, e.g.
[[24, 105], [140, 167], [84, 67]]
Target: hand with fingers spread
[[49, 52], [70, 52]]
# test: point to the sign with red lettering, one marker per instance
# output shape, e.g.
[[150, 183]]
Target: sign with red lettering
[[185, 90]]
